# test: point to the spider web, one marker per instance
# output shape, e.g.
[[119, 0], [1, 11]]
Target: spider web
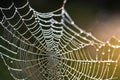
[[50, 46]]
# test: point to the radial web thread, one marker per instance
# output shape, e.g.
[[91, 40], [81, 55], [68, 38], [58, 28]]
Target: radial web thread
[[50, 46]]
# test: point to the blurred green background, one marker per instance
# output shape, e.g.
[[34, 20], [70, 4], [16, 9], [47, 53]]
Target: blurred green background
[[84, 13]]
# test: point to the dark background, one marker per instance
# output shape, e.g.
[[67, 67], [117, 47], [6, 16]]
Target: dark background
[[84, 12], [101, 17]]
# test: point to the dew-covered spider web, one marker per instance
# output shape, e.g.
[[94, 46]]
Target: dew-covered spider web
[[50, 46]]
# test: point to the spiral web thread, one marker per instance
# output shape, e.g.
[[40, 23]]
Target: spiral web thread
[[50, 46]]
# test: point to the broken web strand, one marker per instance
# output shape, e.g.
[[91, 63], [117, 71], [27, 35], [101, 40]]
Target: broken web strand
[[68, 69]]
